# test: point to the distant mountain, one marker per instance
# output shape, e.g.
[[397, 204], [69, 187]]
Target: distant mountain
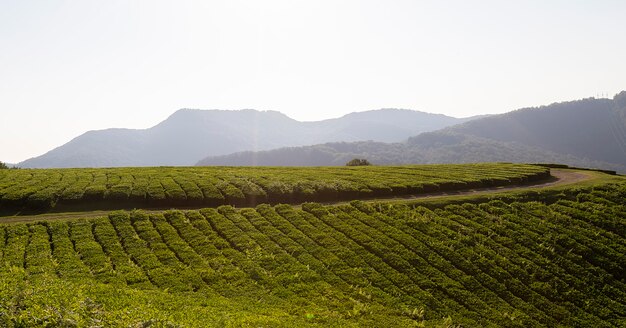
[[427, 148], [189, 135], [588, 128], [589, 133]]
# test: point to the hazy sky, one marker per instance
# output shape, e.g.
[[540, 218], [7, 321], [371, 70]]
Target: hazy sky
[[71, 66]]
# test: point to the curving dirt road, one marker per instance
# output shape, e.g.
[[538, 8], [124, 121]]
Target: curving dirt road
[[559, 177], [565, 177]]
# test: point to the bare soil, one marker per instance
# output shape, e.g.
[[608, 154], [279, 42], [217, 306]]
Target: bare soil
[[559, 177]]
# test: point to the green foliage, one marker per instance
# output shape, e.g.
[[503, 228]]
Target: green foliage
[[510, 264], [118, 188], [3, 166], [358, 162]]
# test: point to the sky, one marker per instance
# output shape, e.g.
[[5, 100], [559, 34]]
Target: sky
[[67, 67]]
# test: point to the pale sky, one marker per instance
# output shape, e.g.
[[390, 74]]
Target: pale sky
[[67, 67]]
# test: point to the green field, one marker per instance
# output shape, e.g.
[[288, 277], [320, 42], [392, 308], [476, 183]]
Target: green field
[[506, 262], [166, 187], [537, 256]]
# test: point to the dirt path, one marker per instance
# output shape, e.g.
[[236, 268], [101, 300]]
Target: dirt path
[[560, 177]]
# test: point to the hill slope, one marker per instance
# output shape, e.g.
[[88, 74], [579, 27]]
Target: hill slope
[[520, 264], [427, 148], [190, 135], [589, 128], [589, 133], [163, 187]]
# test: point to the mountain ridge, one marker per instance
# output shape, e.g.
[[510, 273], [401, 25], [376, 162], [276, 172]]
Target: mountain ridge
[[188, 135], [589, 132], [593, 128]]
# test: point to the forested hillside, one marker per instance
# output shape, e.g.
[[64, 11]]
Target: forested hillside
[[589, 128], [427, 148], [585, 133]]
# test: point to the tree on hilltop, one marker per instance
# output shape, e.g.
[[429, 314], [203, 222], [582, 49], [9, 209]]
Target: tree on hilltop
[[358, 162]]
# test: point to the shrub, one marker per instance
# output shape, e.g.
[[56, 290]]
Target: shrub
[[358, 162]]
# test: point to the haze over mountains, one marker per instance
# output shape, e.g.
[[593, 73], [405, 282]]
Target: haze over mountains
[[427, 148], [589, 132], [189, 135]]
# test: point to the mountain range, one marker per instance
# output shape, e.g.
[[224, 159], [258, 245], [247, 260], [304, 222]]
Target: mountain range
[[189, 135], [589, 132]]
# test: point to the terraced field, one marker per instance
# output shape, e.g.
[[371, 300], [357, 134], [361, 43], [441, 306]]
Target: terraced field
[[127, 188], [516, 264]]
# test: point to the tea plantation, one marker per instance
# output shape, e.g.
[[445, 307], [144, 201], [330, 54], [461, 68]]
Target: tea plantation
[[519, 264], [150, 187], [497, 263]]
